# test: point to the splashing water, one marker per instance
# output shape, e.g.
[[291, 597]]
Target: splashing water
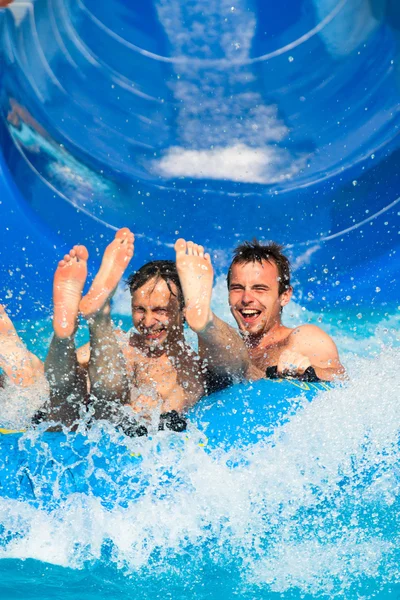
[[311, 510]]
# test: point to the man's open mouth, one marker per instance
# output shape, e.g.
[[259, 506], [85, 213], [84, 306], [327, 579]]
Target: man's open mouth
[[154, 335], [249, 314]]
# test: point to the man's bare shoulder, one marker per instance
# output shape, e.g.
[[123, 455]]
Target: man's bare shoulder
[[307, 333], [309, 330], [308, 338]]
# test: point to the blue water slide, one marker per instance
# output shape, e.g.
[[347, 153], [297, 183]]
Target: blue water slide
[[215, 121]]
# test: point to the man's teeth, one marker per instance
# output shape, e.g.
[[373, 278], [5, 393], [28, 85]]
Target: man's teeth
[[250, 313]]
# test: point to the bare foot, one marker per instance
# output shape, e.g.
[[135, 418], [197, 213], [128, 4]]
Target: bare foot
[[115, 260], [69, 280], [196, 277], [20, 365]]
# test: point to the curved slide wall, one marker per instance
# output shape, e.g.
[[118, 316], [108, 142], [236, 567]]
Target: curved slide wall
[[214, 123]]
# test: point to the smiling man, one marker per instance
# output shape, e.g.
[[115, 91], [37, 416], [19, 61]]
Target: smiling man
[[259, 287], [152, 370], [163, 370]]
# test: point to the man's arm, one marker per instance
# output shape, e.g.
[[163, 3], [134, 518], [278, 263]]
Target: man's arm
[[222, 349], [310, 346], [220, 346]]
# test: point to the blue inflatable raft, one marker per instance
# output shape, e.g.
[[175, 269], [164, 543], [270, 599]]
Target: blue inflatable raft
[[45, 467]]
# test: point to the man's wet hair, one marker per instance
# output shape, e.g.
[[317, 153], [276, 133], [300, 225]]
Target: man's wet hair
[[256, 252], [158, 269]]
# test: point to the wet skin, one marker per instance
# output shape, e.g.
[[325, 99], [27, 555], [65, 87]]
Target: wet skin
[[254, 299], [256, 305], [158, 357], [156, 315]]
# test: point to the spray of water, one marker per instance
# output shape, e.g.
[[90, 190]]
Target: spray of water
[[312, 508]]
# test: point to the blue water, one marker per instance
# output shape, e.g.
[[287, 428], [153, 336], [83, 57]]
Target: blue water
[[218, 122], [310, 512]]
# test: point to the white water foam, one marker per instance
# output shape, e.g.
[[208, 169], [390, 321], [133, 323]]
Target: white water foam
[[225, 129], [18, 405], [312, 508], [309, 508]]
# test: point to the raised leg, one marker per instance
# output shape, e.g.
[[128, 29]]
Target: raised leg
[[20, 366], [67, 381], [107, 369], [68, 387], [116, 258]]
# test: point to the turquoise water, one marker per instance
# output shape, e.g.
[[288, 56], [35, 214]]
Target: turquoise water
[[209, 119], [311, 512]]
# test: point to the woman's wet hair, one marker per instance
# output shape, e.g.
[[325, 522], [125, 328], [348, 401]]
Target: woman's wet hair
[[256, 252], [158, 269]]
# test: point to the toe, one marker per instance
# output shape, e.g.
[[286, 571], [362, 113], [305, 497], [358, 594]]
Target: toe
[[81, 252], [67, 258], [207, 257], [201, 251], [122, 233], [190, 248], [180, 246]]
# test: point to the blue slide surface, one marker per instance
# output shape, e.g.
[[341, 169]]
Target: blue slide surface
[[218, 123], [214, 120]]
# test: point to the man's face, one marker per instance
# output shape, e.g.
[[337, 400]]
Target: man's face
[[156, 313], [254, 296]]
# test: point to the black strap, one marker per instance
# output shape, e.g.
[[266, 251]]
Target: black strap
[[173, 421], [309, 374], [216, 382], [38, 417], [131, 428], [169, 420], [272, 373]]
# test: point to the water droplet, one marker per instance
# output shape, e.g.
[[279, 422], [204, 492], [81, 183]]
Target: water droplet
[[290, 59], [355, 182]]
